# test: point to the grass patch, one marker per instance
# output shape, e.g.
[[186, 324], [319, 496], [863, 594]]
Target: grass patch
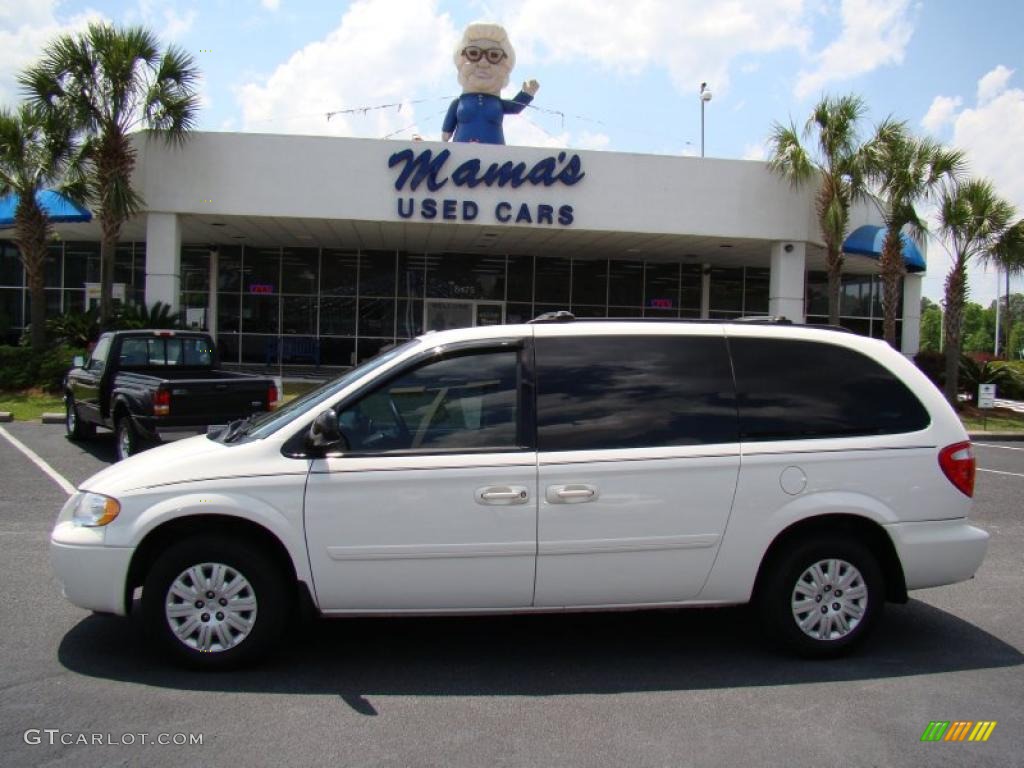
[[31, 404], [992, 419]]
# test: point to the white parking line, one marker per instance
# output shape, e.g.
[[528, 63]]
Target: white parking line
[[1004, 447], [997, 472], [36, 459]]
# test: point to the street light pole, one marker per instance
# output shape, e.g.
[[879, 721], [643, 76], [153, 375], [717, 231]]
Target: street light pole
[[705, 96]]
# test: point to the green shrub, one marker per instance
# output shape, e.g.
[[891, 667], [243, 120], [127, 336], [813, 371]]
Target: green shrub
[[24, 368], [973, 373]]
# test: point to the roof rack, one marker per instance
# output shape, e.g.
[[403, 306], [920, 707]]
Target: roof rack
[[563, 316]]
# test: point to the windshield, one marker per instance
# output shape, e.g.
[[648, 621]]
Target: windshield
[[267, 423]]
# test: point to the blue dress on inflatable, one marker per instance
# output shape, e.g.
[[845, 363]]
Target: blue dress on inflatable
[[477, 116]]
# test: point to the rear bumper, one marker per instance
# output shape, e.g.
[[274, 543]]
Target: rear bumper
[[938, 552], [91, 575]]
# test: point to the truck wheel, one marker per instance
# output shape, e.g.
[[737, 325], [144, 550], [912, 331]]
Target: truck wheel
[[73, 424], [822, 598], [214, 602], [128, 440]]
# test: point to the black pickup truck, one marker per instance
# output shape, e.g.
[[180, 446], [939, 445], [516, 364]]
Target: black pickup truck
[[153, 385]]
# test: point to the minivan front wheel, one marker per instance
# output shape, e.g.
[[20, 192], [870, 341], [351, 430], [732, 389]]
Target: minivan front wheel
[[214, 603], [822, 598]]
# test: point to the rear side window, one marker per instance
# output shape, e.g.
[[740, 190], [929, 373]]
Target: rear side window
[[604, 392], [802, 389]]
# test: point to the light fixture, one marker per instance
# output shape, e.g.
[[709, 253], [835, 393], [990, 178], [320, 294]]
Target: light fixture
[[705, 96]]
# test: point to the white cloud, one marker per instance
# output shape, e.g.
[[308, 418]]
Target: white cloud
[[993, 83], [693, 40], [757, 151], [382, 52], [875, 33], [271, 5], [25, 30], [941, 113], [994, 151], [595, 141], [168, 22]]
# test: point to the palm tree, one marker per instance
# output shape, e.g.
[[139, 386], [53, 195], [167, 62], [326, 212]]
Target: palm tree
[[975, 223], [36, 150], [1008, 255], [113, 81], [905, 169], [838, 162]]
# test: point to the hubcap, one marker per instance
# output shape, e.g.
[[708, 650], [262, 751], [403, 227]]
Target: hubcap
[[195, 592], [72, 418], [829, 600], [124, 442]]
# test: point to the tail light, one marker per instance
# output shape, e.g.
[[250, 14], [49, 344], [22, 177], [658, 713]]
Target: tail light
[[958, 464], [162, 402], [272, 397]]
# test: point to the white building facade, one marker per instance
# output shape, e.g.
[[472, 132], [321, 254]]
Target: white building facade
[[311, 250]]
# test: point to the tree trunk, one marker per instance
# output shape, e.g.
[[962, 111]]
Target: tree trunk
[[108, 250], [30, 230], [834, 259], [892, 269], [956, 296]]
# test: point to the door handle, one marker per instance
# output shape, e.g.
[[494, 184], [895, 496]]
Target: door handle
[[576, 493], [502, 495]]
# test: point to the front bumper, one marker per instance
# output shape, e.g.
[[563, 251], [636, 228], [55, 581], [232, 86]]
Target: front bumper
[[938, 552], [91, 575]]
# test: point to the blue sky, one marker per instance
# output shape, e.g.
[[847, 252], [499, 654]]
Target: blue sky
[[615, 75]]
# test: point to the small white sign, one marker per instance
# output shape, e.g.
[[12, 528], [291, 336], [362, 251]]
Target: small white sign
[[986, 395]]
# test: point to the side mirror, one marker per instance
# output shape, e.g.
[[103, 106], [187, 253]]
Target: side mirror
[[78, 361], [325, 432]]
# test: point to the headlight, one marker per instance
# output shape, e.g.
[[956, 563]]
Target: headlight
[[94, 509]]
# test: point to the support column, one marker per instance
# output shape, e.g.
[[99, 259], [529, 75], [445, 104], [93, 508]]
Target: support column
[[910, 341], [786, 282], [163, 259], [705, 291], [211, 303]]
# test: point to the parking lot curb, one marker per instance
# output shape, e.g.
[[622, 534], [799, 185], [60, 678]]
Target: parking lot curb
[[53, 418], [6, 416]]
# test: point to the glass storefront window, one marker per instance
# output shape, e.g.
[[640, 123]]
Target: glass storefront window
[[520, 278], [339, 272], [337, 316], [299, 270], [261, 271], [377, 318], [229, 312], [124, 265], [377, 273], [195, 269], [518, 313], [552, 281], [299, 315], [691, 288], [465, 276], [726, 290], [755, 297], [259, 314], [335, 351], [229, 268], [10, 313], [412, 269], [626, 284], [410, 319], [590, 282], [855, 296], [10, 265], [661, 289], [52, 275]]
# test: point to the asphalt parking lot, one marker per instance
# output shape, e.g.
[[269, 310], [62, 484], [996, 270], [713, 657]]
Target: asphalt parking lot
[[671, 688]]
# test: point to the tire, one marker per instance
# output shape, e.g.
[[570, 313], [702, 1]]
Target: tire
[[127, 441], [74, 426], [245, 582], [822, 598]]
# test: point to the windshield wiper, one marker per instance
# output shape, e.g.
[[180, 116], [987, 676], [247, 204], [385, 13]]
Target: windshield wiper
[[236, 429]]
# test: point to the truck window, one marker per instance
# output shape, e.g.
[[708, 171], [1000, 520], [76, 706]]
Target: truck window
[[143, 352], [98, 358]]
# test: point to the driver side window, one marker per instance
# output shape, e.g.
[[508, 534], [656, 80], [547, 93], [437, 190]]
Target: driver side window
[[468, 402]]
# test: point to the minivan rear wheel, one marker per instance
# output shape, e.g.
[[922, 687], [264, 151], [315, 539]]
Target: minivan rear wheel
[[822, 597], [215, 603]]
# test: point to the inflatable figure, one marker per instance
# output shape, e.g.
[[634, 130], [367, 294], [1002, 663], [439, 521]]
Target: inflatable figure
[[484, 58]]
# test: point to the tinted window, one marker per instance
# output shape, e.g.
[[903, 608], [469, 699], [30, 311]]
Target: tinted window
[[801, 389], [144, 352], [467, 402], [632, 392]]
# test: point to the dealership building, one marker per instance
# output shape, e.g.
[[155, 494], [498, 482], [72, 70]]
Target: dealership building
[[315, 251]]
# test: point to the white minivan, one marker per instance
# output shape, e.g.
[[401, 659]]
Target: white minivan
[[558, 465]]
